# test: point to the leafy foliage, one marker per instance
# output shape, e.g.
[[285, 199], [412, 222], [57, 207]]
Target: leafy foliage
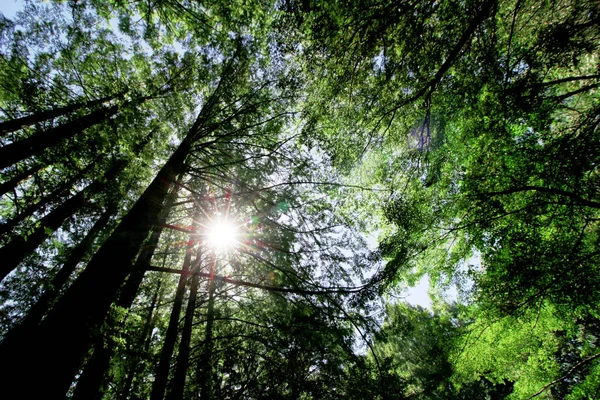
[[461, 135]]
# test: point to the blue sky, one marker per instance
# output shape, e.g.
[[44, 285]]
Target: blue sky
[[10, 7]]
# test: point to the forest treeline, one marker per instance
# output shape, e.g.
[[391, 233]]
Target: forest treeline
[[460, 136]]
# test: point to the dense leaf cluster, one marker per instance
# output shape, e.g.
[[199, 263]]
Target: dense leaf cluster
[[463, 136]]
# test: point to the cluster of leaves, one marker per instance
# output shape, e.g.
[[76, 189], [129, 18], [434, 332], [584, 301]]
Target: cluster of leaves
[[463, 134], [478, 123]]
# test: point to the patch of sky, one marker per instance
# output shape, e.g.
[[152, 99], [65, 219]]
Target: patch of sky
[[379, 62], [10, 8]]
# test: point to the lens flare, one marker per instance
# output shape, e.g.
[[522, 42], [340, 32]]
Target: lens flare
[[222, 235]]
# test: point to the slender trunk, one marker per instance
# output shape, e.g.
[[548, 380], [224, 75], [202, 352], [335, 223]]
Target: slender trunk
[[205, 362], [20, 246], [17, 249], [53, 197], [33, 145], [20, 123], [66, 332], [89, 385], [184, 346], [183, 355], [144, 343], [36, 313], [14, 181], [162, 371]]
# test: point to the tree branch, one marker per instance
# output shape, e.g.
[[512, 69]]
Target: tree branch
[[565, 376], [256, 285], [559, 192]]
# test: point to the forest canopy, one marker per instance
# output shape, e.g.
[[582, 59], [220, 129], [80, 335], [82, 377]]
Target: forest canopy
[[228, 200]]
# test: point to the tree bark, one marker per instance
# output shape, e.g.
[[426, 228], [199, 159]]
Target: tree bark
[[68, 329], [33, 145], [183, 355], [205, 362], [89, 385], [20, 246], [14, 181], [53, 197], [36, 313], [20, 123], [178, 383], [162, 371], [144, 343]]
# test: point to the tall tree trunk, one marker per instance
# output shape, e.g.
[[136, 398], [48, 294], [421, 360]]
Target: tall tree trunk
[[183, 355], [20, 246], [51, 198], [17, 249], [36, 313], [67, 331], [205, 362], [144, 343], [20, 123], [14, 181], [164, 365], [89, 385], [33, 145]]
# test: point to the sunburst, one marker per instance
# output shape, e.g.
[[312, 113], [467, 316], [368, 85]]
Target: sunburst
[[222, 235]]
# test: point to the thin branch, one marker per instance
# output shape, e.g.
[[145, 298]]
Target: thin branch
[[256, 285], [565, 376]]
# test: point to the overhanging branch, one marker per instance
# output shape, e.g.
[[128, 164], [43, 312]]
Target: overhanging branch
[[256, 285]]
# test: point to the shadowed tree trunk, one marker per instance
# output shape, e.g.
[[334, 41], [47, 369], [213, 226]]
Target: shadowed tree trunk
[[67, 331], [20, 123], [36, 313], [20, 246], [34, 145], [144, 343], [51, 198], [89, 385], [14, 181], [205, 361], [162, 371], [178, 383], [69, 328]]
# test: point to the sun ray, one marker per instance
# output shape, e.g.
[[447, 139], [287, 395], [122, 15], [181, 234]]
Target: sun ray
[[222, 235]]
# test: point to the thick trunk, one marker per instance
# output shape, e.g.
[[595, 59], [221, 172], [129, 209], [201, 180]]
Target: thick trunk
[[66, 332], [33, 145], [20, 123], [68, 329], [89, 385], [36, 313], [18, 248]]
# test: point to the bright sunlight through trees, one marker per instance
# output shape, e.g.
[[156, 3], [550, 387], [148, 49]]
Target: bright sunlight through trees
[[222, 235]]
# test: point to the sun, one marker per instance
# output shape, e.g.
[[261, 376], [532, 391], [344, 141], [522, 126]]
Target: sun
[[222, 235]]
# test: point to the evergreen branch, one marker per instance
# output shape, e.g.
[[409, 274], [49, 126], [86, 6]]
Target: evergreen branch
[[565, 376]]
